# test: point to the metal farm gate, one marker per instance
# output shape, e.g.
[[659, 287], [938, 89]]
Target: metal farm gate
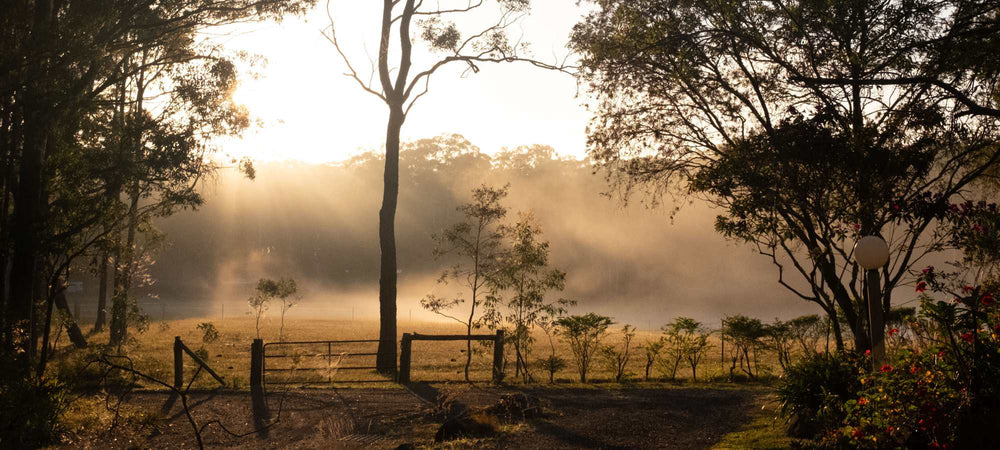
[[320, 362]]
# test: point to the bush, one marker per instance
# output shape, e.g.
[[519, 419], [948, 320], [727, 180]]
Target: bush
[[915, 403], [552, 364], [29, 409], [947, 394], [615, 358], [815, 391], [210, 334]]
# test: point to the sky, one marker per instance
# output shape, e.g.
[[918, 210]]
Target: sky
[[309, 111]]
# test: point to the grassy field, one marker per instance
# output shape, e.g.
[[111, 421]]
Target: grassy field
[[229, 355], [745, 414]]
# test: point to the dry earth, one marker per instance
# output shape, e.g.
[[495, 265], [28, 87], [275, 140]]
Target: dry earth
[[574, 417]]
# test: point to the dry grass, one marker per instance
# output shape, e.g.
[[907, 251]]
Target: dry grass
[[432, 360]]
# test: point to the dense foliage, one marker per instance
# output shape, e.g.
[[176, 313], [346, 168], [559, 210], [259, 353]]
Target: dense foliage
[[107, 114], [939, 388], [809, 123]]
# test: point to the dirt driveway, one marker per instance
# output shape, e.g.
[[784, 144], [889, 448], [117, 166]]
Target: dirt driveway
[[669, 417]]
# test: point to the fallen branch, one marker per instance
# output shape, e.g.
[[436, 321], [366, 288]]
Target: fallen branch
[[179, 393]]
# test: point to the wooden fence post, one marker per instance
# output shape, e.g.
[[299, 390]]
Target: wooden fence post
[[406, 345], [261, 415], [257, 367], [178, 363], [498, 358]]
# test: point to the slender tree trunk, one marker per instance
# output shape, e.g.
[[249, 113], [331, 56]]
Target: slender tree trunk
[[46, 330], [120, 302], [468, 328], [386, 360], [10, 138], [27, 202], [102, 291]]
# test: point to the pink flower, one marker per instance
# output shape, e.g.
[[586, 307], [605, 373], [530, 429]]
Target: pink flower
[[868, 352], [886, 368], [928, 270], [893, 331], [921, 286]]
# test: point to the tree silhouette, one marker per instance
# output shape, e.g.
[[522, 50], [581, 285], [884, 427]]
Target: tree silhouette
[[400, 91], [64, 65], [809, 125]]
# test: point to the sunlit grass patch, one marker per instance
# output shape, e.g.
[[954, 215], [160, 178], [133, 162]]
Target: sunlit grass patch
[[764, 430]]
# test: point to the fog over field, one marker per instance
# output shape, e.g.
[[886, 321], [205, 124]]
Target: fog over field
[[318, 224]]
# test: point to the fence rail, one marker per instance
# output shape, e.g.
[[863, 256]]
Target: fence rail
[[332, 356], [179, 350], [406, 344]]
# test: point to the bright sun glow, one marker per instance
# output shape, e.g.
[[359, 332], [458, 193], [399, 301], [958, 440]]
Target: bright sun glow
[[309, 111]]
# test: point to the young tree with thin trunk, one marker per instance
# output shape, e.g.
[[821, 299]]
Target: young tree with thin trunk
[[686, 340], [478, 243], [400, 85], [617, 358], [518, 303], [548, 324], [286, 288], [652, 350], [584, 334]]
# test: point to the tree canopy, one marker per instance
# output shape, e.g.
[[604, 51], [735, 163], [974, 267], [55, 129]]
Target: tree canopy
[[809, 123], [106, 114]]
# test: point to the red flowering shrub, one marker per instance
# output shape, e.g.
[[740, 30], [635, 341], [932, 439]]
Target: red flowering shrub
[[942, 395], [912, 408], [942, 388]]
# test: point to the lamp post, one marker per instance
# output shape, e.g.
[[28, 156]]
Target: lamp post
[[871, 253]]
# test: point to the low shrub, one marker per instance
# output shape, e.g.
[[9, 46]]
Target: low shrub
[[945, 395], [29, 408], [815, 391], [552, 364]]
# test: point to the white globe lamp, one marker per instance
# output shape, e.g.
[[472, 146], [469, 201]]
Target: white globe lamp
[[871, 252]]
